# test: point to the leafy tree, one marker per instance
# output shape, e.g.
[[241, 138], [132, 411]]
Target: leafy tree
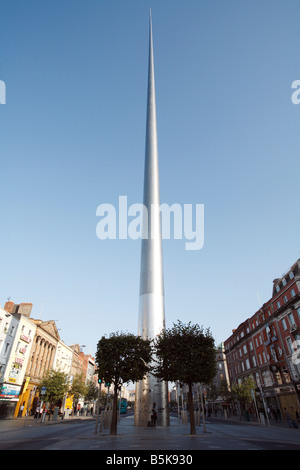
[[243, 390], [186, 353], [224, 391], [91, 391], [78, 388], [212, 392], [56, 383], [122, 357]]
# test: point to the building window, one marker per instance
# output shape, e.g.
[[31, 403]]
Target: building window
[[245, 349], [293, 293], [254, 361], [285, 299], [291, 319], [290, 345], [283, 282], [286, 375], [277, 288], [247, 364], [283, 322], [6, 348], [298, 312], [251, 345], [278, 304], [291, 275], [267, 378]]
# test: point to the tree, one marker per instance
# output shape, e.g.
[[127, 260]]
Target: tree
[[243, 390], [224, 391], [78, 388], [56, 384], [121, 358], [186, 353], [91, 392]]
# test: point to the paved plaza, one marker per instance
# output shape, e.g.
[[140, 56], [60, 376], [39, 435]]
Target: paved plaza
[[79, 434]]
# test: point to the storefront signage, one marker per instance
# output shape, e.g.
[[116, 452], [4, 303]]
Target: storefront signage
[[10, 391], [25, 338]]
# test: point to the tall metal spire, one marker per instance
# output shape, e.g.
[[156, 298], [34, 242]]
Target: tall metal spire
[[151, 308]]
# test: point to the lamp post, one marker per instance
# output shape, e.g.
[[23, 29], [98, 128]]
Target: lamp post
[[97, 410]]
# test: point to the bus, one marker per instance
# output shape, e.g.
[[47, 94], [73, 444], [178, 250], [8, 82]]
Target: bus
[[123, 406]]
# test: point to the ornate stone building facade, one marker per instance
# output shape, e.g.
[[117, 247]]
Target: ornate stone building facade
[[42, 357]]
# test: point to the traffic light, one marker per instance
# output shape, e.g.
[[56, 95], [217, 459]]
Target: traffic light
[[99, 381], [107, 384]]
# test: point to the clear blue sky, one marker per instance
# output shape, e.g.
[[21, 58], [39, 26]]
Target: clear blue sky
[[73, 136]]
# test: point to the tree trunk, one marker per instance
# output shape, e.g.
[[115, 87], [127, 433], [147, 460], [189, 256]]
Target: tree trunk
[[114, 419], [191, 411]]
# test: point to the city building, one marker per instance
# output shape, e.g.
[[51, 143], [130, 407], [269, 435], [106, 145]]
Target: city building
[[63, 358], [19, 333], [28, 348], [5, 319], [42, 359], [265, 347]]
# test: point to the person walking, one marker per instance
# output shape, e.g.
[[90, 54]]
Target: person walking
[[37, 412], [288, 418], [154, 415], [21, 410]]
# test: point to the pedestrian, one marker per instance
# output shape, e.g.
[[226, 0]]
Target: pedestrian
[[37, 412], [21, 410], [288, 418], [278, 414], [92, 411], [154, 415]]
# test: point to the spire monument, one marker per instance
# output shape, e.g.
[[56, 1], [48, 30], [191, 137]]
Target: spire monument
[[151, 305]]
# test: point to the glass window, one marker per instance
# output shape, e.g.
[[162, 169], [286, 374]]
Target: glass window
[[291, 319], [283, 322], [290, 345]]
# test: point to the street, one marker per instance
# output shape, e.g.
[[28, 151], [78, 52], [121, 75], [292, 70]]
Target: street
[[79, 434]]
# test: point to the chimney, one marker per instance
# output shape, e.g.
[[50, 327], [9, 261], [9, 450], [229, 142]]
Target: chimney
[[9, 306], [23, 308]]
